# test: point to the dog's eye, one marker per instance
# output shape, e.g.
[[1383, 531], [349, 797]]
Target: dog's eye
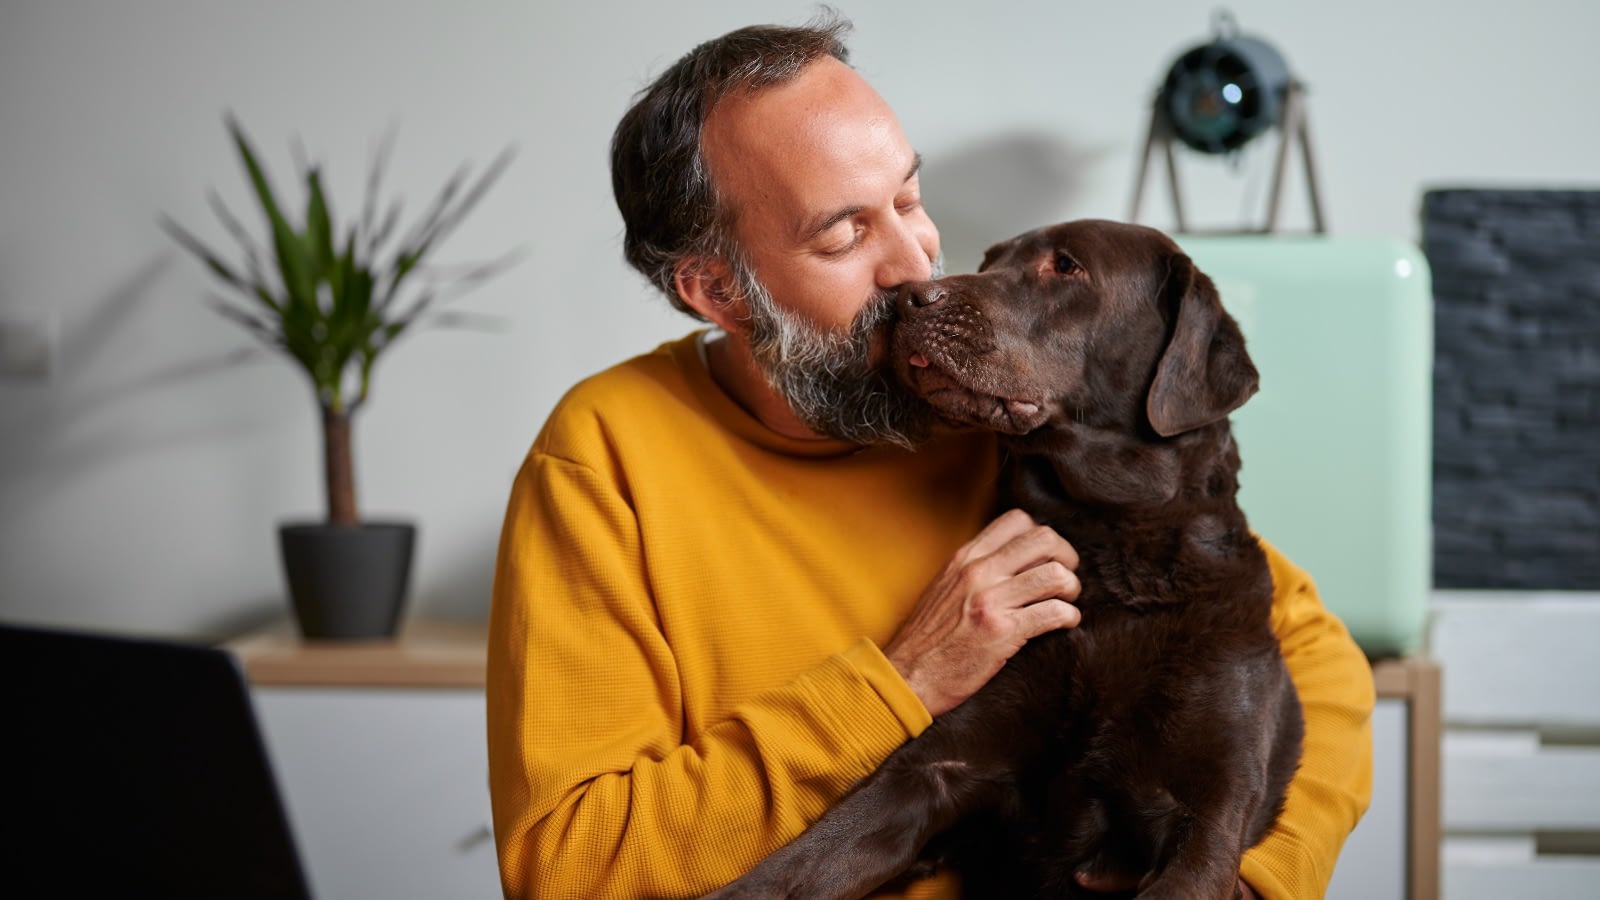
[[1066, 265]]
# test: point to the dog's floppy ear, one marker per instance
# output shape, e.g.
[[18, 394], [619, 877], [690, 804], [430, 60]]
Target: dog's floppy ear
[[1204, 373], [993, 253]]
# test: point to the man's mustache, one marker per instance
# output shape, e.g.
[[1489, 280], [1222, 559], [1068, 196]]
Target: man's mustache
[[881, 308]]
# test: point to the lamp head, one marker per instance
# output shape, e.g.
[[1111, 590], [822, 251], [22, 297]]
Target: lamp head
[[1219, 95]]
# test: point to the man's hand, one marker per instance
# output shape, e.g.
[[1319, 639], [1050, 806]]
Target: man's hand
[[1012, 582]]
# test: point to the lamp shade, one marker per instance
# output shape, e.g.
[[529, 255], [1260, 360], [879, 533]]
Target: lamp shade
[[1219, 95]]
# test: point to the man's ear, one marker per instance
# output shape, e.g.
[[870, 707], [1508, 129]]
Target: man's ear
[[1205, 373], [707, 285]]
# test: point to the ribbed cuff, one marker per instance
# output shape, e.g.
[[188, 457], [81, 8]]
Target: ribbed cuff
[[868, 660]]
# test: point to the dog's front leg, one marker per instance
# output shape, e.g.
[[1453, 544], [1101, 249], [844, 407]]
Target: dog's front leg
[[1202, 861], [877, 830]]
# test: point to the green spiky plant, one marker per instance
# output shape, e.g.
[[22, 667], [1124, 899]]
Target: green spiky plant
[[334, 302]]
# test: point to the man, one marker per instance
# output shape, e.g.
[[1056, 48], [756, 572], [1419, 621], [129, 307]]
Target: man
[[727, 588]]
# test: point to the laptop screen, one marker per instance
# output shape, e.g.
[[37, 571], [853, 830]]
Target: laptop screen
[[135, 768]]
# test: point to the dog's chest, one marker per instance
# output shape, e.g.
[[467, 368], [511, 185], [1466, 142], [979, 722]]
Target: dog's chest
[[1152, 630]]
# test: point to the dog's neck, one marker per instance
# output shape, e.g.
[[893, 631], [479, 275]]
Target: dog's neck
[[1153, 527], [1093, 479]]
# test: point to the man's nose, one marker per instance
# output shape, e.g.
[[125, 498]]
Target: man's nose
[[907, 259]]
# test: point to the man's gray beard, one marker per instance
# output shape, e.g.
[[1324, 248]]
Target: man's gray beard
[[827, 376]]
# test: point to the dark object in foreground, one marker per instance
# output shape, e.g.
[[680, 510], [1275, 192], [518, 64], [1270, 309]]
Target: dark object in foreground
[[135, 767], [1157, 739]]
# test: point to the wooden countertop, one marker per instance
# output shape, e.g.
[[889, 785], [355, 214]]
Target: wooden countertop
[[426, 654], [451, 655]]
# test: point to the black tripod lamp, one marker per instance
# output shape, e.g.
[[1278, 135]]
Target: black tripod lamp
[[1215, 99]]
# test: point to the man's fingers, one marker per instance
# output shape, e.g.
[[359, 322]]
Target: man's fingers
[[1047, 615], [1000, 532], [1014, 543], [1048, 579], [1034, 546]]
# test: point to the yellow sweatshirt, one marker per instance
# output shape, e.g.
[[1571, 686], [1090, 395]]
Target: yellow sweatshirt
[[684, 664]]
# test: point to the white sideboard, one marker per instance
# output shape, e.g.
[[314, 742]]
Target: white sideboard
[[379, 749], [1521, 807]]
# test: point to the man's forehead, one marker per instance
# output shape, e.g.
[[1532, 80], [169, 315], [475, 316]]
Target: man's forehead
[[809, 149]]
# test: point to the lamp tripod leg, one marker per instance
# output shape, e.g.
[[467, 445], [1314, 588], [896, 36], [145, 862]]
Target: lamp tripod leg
[[1158, 134], [1144, 167], [1290, 127], [1172, 178], [1317, 222]]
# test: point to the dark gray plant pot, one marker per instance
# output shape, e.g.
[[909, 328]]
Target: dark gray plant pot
[[347, 582]]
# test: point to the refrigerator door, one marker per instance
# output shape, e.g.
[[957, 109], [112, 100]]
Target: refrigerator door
[[1337, 446]]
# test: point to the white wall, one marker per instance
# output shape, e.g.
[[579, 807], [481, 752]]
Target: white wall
[[141, 484]]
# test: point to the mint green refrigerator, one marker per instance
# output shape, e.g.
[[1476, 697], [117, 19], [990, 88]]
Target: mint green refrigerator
[[1337, 446]]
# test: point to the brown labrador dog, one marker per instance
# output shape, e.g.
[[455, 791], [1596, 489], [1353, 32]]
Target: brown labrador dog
[[1156, 740]]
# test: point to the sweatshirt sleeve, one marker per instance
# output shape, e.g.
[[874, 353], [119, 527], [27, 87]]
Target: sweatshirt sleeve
[[1333, 786], [596, 789]]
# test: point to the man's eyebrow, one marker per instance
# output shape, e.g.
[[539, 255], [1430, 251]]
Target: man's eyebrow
[[811, 229], [916, 166]]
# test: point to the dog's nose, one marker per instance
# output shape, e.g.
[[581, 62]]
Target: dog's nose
[[919, 295]]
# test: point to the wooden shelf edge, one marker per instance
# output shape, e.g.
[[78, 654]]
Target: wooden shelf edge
[[1401, 677], [426, 654]]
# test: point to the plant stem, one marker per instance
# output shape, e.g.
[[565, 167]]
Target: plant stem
[[338, 467]]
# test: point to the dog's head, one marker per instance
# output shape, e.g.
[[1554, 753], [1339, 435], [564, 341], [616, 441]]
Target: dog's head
[[1084, 325]]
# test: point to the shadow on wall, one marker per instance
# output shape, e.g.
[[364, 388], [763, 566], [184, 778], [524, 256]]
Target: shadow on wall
[[33, 412], [999, 187], [79, 420]]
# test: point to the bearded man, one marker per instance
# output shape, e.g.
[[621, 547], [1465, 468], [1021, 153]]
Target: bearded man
[[737, 572]]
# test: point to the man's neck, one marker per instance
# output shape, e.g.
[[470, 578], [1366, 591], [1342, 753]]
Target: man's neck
[[735, 371]]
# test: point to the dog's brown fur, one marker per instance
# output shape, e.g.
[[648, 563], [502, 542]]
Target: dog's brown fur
[[1157, 739]]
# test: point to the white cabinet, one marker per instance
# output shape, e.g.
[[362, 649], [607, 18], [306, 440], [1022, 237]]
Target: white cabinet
[[1522, 743], [379, 752], [386, 789]]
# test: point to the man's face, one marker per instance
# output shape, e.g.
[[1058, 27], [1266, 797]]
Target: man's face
[[828, 214]]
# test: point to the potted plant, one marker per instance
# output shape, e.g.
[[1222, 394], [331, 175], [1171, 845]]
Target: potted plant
[[333, 302]]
